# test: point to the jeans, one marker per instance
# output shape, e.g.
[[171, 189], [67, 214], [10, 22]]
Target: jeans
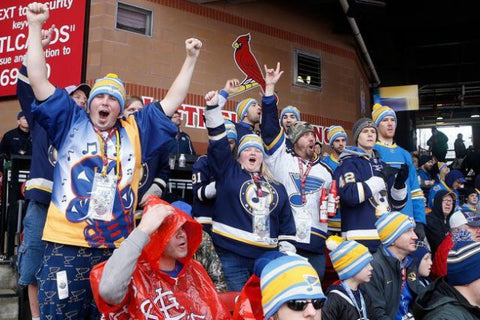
[[237, 268], [31, 250]]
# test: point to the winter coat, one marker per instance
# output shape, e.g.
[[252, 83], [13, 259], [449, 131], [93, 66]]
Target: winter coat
[[442, 302], [437, 224], [384, 289], [339, 306]]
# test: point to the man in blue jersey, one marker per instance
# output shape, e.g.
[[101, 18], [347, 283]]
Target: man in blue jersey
[[38, 188], [96, 177], [394, 155]]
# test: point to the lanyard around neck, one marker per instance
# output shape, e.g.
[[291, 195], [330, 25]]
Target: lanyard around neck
[[362, 312], [103, 148], [303, 177]]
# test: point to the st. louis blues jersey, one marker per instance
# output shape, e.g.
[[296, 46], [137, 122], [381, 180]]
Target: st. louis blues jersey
[[203, 203], [80, 156], [360, 207], [238, 199], [395, 156], [285, 167], [40, 183]]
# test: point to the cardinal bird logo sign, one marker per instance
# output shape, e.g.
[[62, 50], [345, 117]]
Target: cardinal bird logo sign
[[248, 64]]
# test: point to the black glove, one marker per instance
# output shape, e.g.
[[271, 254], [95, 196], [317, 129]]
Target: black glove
[[401, 177], [420, 231], [386, 173]]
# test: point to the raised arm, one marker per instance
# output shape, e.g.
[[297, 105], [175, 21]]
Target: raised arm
[[37, 15], [120, 266], [179, 88]]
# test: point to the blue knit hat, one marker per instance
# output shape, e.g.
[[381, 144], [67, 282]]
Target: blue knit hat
[[290, 109], [453, 176], [422, 250], [348, 257], [112, 85], [392, 225], [250, 140], [463, 263], [242, 107], [335, 132], [288, 278], [379, 112], [231, 130]]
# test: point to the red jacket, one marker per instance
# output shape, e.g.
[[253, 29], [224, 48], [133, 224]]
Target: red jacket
[[439, 265], [152, 294]]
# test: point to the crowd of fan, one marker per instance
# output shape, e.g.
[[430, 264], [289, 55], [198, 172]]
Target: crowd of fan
[[402, 236]]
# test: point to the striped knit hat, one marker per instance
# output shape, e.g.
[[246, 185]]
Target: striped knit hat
[[250, 140], [111, 85], [462, 263], [348, 257], [242, 107], [379, 112], [392, 225], [290, 109], [231, 130], [288, 278], [334, 132]]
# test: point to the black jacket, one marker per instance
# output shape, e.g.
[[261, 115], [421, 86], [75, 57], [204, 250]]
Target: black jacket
[[442, 302], [437, 224], [340, 307], [385, 285]]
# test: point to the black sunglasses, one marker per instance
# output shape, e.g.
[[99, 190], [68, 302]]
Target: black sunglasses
[[301, 304]]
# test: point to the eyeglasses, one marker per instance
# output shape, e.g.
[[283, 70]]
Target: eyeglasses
[[301, 304], [447, 200]]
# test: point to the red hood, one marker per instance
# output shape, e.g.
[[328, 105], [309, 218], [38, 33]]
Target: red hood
[[159, 239]]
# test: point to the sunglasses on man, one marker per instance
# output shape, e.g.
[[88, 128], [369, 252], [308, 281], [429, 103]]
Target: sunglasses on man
[[301, 304]]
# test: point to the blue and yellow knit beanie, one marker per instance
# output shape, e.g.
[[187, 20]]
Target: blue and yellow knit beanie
[[392, 225], [379, 112], [348, 257], [242, 108], [290, 109], [335, 132], [288, 278], [112, 85], [250, 140]]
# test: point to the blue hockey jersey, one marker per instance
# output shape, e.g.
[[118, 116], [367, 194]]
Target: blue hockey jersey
[[395, 156], [360, 207], [40, 183], [203, 206], [237, 199]]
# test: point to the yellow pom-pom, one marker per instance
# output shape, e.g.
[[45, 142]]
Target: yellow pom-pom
[[112, 75], [333, 242], [376, 106]]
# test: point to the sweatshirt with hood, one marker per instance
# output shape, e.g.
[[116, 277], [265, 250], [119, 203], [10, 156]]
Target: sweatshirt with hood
[[438, 224], [130, 285]]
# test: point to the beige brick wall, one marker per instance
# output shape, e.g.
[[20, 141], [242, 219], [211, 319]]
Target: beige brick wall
[[149, 64]]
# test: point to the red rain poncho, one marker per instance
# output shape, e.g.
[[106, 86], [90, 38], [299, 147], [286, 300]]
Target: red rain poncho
[[152, 294]]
